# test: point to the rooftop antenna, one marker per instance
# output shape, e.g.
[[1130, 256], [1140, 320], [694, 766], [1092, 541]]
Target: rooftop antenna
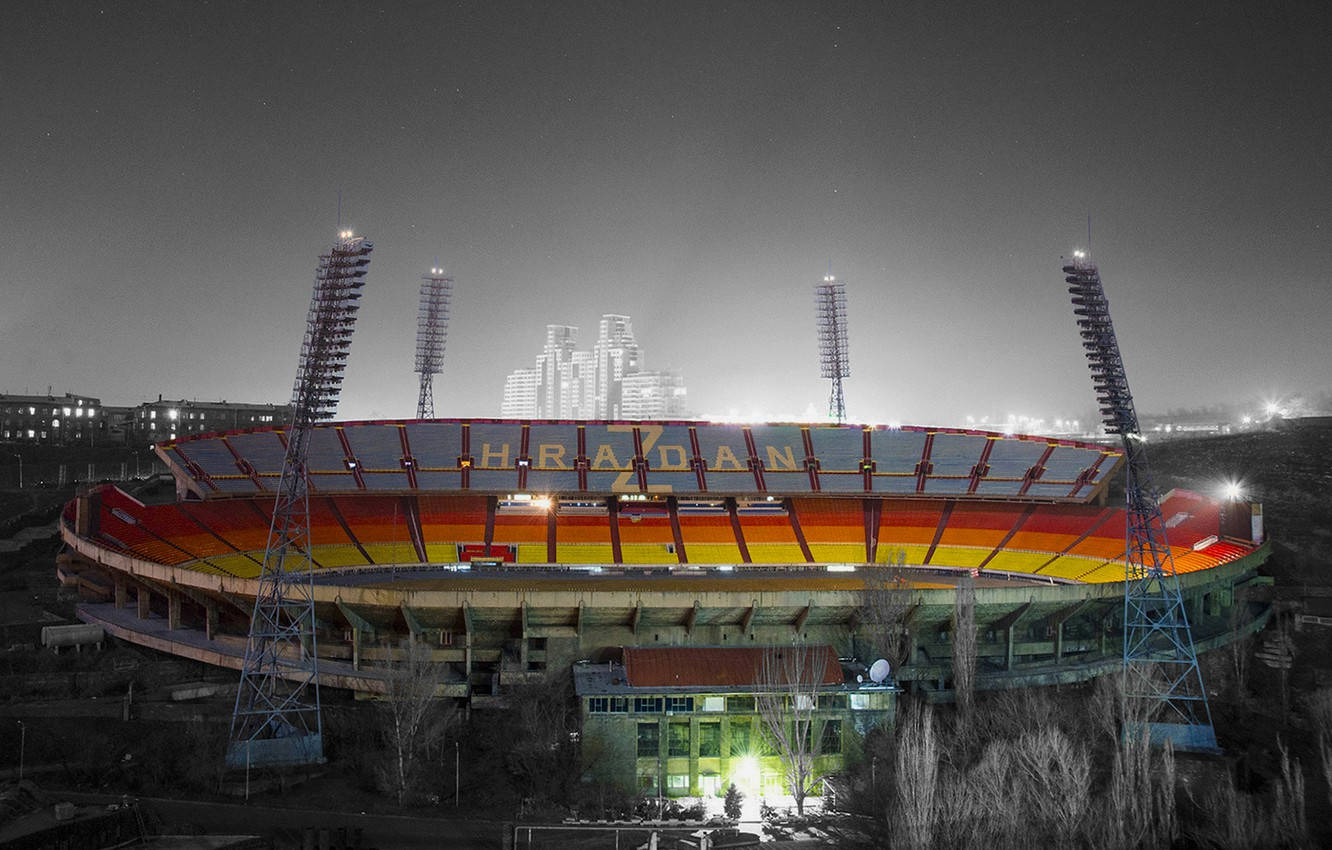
[[432, 328], [276, 720], [1163, 684], [834, 360]]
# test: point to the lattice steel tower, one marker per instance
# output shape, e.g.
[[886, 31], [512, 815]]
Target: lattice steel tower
[[1163, 683], [432, 330], [834, 359], [277, 717]]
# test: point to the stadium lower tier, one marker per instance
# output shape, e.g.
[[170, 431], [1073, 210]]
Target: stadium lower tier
[[1051, 541], [565, 585]]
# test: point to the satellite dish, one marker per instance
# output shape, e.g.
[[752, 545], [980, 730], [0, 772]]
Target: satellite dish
[[879, 671]]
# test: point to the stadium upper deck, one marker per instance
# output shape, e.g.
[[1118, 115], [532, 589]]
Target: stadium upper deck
[[683, 458]]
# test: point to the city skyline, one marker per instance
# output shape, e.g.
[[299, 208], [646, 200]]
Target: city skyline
[[174, 173], [609, 381]]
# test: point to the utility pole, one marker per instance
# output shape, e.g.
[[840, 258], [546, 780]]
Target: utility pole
[[20, 460]]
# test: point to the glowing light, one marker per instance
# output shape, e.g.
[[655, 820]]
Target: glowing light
[[1233, 491], [745, 773], [841, 568], [1272, 408], [542, 502], [1078, 254]]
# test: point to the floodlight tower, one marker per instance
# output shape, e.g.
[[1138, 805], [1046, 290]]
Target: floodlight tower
[[277, 715], [834, 359], [1163, 683], [432, 330]]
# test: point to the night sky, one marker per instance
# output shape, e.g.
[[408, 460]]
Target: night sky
[[170, 172]]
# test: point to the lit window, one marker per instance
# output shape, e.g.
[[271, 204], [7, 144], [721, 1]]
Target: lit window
[[173, 413], [67, 411], [55, 423], [152, 414], [92, 411], [677, 783], [714, 703], [32, 411], [30, 434], [78, 414]]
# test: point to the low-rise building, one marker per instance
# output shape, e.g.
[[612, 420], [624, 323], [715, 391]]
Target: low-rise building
[[52, 419], [168, 419], [689, 721]]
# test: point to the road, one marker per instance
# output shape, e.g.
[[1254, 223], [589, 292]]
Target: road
[[287, 825]]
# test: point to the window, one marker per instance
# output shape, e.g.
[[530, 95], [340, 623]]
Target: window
[[742, 738], [829, 702], [830, 741], [709, 784], [598, 705], [677, 741], [714, 703], [647, 705], [709, 740], [860, 702], [647, 783], [619, 705], [679, 704], [740, 705], [649, 734], [677, 783]]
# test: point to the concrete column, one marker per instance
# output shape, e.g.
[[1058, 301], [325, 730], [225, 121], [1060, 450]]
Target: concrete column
[[173, 609], [122, 594], [210, 621], [693, 757], [143, 597], [356, 649], [1008, 651], [1059, 642]]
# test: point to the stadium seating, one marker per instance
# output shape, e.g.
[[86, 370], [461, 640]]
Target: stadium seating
[[431, 456], [227, 535]]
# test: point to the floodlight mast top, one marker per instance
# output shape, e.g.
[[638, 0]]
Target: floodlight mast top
[[834, 346], [432, 328]]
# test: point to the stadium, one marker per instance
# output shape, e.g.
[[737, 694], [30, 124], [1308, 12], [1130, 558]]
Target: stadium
[[518, 550], [517, 547]]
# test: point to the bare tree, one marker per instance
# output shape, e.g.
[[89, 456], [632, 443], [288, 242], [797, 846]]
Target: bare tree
[[414, 722], [964, 649], [1241, 647], [789, 679], [917, 778], [884, 604]]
